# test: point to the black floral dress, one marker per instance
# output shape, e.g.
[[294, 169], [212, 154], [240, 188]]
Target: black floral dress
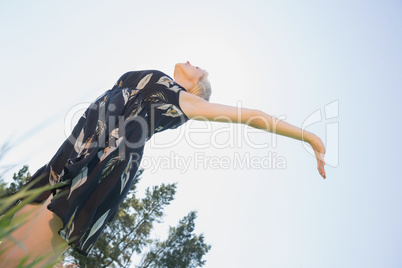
[[93, 170]]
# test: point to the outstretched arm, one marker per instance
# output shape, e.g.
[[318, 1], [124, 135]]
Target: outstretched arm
[[199, 109]]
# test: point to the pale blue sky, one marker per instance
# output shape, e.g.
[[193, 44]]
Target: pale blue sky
[[287, 58]]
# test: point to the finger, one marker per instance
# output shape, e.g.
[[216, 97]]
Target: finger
[[321, 170]]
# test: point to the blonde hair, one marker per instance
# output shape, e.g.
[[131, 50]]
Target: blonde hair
[[203, 87]]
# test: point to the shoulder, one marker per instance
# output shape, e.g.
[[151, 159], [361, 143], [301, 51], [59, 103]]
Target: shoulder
[[192, 105]]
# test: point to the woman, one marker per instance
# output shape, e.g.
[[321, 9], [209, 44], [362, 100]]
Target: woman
[[94, 168]]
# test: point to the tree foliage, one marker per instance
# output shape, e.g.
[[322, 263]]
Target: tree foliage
[[181, 249], [19, 179]]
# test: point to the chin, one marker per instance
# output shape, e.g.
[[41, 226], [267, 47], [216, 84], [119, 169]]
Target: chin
[[179, 65], [177, 68]]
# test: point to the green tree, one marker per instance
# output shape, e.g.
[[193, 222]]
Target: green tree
[[181, 249], [19, 179]]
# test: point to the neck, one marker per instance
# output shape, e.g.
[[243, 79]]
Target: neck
[[183, 82]]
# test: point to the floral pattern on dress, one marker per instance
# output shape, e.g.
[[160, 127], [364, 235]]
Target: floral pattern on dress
[[171, 110], [93, 169]]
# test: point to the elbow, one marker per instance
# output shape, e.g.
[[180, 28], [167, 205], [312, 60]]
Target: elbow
[[259, 119]]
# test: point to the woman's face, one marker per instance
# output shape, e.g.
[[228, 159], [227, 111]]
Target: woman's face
[[187, 71]]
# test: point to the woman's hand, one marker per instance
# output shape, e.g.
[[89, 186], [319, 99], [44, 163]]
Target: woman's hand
[[319, 151]]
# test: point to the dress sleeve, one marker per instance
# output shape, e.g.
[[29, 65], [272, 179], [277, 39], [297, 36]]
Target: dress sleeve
[[172, 92], [163, 102]]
